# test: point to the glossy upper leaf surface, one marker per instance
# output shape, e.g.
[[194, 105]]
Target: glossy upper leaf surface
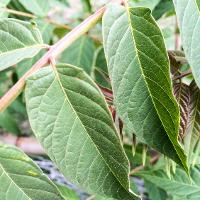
[[18, 40], [69, 116], [22, 179], [139, 71]]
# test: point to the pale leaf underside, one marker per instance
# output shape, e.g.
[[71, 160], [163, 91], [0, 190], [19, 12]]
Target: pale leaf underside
[[188, 15], [69, 116], [18, 40]]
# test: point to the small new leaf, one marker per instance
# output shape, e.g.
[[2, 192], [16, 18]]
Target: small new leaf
[[80, 54]]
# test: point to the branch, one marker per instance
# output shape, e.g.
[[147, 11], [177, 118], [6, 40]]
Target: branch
[[53, 52]]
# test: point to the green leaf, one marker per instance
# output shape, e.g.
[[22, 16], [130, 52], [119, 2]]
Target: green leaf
[[37, 7], [18, 40], [4, 3], [144, 3], [100, 69], [198, 4], [180, 183], [46, 30], [69, 116], [22, 179], [8, 123], [139, 70], [80, 54], [192, 139], [67, 193], [189, 21], [164, 7], [86, 5], [47, 33], [155, 193], [26, 64]]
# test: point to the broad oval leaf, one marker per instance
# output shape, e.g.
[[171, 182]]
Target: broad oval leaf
[[37, 7], [22, 179], [18, 40], [69, 116], [189, 20], [80, 54], [139, 71]]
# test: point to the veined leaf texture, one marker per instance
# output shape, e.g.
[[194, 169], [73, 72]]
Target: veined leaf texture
[[139, 71], [69, 116]]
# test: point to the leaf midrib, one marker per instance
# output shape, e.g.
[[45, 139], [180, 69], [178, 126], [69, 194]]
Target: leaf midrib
[[66, 98], [23, 48], [134, 44]]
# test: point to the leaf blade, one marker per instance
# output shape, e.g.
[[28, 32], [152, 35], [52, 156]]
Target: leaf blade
[[22, 178], [130, 49], [19, 40], [189, 29], [80, 54], [37, 7], [76, 116], [180, 184]]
